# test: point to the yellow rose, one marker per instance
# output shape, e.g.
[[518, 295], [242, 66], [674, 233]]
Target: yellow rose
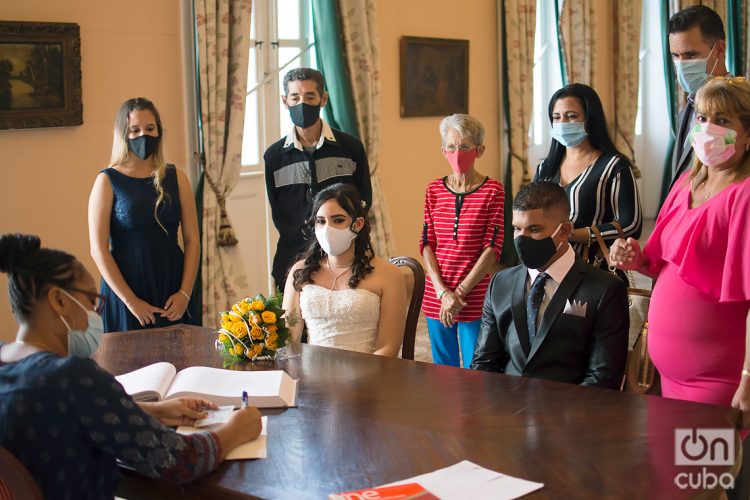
[[227, 325], [272, 329], [271, 343], [226, 317], [274, 336], [239, 329], [258, 305], [223, 337], [254, 318], [256, 333], [268, 317], [236, 308], [256, 349], [239, 348], [244, 306]]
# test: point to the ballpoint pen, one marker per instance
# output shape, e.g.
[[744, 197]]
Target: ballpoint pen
[[244, 399]]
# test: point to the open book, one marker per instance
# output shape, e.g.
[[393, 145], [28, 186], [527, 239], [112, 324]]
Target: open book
[[265, 389]]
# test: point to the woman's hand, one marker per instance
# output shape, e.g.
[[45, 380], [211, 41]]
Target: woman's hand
[[143, 311], [175, 306], [181, 411], [244, 425], [627, 255], [741, 401], [451, 304]]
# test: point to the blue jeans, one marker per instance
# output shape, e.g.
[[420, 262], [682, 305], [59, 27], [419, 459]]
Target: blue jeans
[[445, 341]]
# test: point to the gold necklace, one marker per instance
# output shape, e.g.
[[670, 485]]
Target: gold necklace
[[334, 276]]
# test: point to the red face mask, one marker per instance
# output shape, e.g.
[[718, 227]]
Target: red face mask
[[461, 161]]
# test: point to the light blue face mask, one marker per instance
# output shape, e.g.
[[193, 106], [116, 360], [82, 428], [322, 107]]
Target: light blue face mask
[[84, 343], [692, 73], [569, 134]]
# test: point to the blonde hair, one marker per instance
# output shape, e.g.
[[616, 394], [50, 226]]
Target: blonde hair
[[729, 95], [120, 145]]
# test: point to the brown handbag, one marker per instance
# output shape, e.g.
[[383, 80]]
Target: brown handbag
[[640, 374]]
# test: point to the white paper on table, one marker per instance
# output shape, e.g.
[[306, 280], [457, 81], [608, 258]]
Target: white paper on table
[[469, 481], [215, 416], [257, 448]]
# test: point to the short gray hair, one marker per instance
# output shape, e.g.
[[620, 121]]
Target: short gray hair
[[467, 127], [300, 74]]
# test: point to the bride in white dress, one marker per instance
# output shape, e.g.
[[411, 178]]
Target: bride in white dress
[[347, 297]]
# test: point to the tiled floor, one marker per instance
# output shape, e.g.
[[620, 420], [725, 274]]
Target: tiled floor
[[422, 351]]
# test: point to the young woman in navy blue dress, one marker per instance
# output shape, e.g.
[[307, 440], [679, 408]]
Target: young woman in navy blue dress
[[137, 205]]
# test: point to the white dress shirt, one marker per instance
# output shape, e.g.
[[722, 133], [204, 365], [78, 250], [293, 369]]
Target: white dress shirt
[[556, 272]]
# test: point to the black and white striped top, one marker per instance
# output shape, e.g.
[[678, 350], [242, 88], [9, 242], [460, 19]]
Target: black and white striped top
[[606, 191]]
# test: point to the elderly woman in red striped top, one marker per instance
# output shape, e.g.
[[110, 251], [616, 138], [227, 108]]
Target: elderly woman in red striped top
[[461, 240]]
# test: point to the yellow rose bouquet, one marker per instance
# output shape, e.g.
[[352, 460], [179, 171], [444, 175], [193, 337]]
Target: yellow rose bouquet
[[252, 330]]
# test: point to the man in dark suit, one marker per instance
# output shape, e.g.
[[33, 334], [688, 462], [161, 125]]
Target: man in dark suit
[[555, 316], [698, 47]]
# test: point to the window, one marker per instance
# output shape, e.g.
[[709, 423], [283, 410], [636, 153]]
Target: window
[[281, 39], [547, 79]]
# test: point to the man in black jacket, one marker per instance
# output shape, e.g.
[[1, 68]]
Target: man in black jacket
[[555, 316], [698, 46], [307, 160]]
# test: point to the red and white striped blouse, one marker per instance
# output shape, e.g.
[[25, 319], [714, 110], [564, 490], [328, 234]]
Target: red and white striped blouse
[[458, 227]]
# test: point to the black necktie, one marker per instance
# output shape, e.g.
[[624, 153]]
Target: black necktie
[[536, 296]]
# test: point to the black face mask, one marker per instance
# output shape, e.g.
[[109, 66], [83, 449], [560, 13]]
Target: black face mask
[[535, 253], [143, 146], [304, 115]]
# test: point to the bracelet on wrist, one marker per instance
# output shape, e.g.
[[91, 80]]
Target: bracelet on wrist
[[184, 293], [461, 289], [745, 373], [441, 293]]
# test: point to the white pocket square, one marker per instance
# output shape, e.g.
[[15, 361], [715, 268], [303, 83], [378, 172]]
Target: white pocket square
[[575, 308]]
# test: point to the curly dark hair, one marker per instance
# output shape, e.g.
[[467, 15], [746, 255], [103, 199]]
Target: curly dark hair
[[351, 201], [32, 270]]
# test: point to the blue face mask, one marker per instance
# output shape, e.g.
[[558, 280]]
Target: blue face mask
[[569, 134], [692, 73], [84, 343]]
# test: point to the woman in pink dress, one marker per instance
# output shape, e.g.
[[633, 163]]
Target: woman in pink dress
[[699, 254]]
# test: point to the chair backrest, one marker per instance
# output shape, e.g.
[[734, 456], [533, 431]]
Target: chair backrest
[[15, 481], [414, 279]]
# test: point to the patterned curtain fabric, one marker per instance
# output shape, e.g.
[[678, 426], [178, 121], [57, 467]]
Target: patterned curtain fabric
[[577, 29], [223, 30], [627, 42], [360, 43], [518, 48]]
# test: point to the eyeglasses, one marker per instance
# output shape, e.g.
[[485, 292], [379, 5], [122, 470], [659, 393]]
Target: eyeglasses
[[451, 148], [98, 300]]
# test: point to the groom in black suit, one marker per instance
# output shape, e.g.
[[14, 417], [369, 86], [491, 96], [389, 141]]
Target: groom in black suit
[[555, 316]]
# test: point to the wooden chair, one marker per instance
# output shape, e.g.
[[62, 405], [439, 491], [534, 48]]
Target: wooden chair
[[414, 280], [16, 483]]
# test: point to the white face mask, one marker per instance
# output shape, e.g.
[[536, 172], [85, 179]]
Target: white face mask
[[334, 241], [83, 343]]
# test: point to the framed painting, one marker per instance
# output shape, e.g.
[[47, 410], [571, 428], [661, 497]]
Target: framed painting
[[40, 75], [434, 76]]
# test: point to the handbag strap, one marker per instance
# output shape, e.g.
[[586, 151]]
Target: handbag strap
[[632, 290]]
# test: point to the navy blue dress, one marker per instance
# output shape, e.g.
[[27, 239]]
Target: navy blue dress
[[147, 254]]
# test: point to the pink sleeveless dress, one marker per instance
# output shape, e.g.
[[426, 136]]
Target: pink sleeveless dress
[[702, 294]]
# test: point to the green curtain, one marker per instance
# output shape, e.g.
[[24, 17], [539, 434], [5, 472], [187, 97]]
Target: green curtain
[[332, 63], [560, 54], [734, 36], [669, 79], [508, 256]]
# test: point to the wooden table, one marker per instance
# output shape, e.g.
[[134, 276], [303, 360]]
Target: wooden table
[[365, 420]]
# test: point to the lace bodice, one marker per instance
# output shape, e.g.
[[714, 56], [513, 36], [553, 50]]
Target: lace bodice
[[346, 319]]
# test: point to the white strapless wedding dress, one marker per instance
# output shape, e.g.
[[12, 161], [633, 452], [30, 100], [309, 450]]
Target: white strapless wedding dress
[[345, 319]]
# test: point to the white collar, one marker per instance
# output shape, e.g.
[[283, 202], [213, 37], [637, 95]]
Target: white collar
[[325, 134], [558, 269]]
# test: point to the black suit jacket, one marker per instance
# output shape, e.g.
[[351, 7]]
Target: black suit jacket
[[682, 156], [588, 350]]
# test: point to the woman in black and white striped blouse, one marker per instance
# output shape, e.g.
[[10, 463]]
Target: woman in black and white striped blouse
[[598, 179]]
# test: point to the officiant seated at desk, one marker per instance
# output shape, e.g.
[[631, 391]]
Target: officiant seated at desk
[[554, 316], [66, 419]]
